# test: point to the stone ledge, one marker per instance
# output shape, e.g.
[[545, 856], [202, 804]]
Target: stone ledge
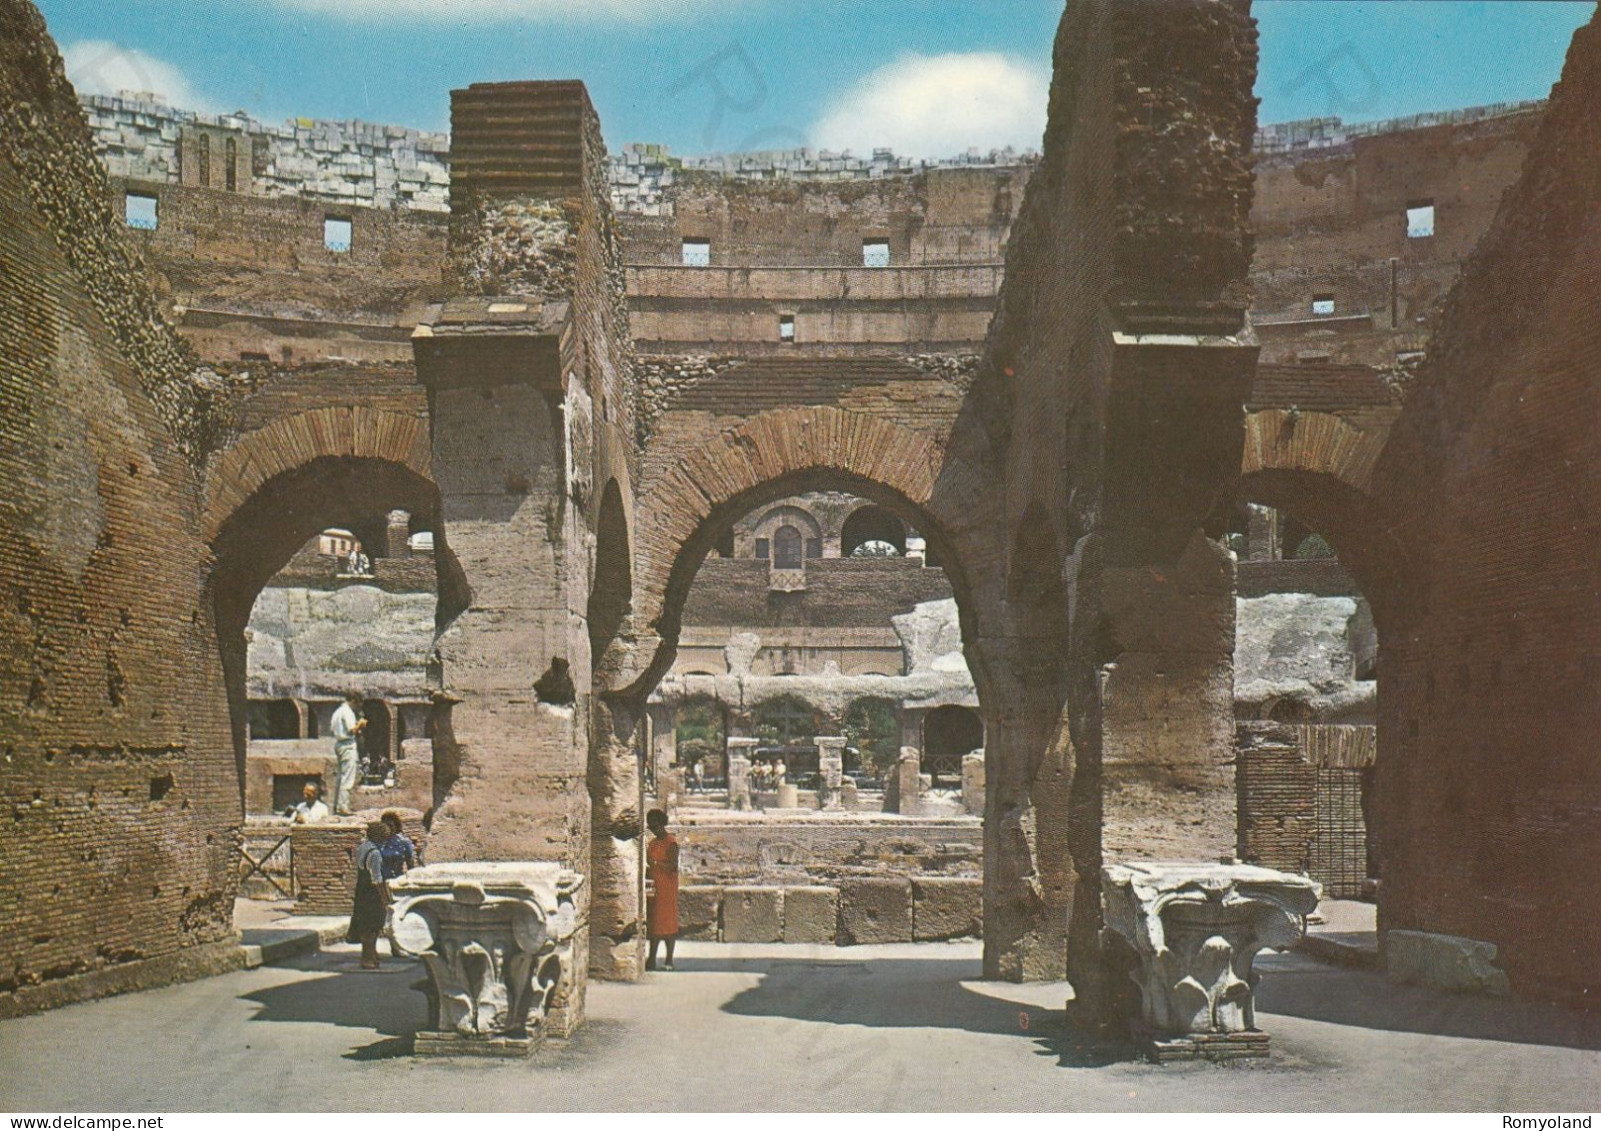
[[493, 1048], [1444, 962], [1216, 1047], [188, 965]]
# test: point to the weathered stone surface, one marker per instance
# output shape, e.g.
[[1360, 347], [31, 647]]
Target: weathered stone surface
[[351, 638], [810, 914], [1192, 932], [875, 911], [1298, 647], [1444, 962], [947, 907], [699, 912], [753, 914]]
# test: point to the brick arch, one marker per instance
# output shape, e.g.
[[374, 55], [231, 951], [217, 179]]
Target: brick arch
[[289, 442], [1317, 442], [779, 453]]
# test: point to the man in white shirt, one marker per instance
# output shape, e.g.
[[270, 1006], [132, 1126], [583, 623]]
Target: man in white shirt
[[345, 727], [311, 810]]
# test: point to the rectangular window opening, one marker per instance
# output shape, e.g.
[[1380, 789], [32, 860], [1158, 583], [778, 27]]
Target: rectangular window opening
[[1323, 304], [814, 547], [1419, 219], [140, 211], [875, 253], [762, 549], [786, 328], [697, 253], [336, 234]]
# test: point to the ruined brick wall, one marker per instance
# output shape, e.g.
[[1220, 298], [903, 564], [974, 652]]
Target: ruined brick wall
[[118, 771], [1489, 787], [213, 248], [1332, 221], [795, 250], [942, 216], [840, 592], [243, 275], [1277, 787]]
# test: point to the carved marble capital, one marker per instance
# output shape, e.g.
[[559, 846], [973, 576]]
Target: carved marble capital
[[496, 939], [1194, 930]]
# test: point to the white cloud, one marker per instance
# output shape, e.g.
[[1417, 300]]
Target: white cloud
[[459, 11], [98, 66], [939, 106]]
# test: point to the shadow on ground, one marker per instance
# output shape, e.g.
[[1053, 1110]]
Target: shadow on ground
[[388, 1000], [1296, 986]]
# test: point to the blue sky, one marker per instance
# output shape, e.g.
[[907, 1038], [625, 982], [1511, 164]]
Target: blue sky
[[927, 77]]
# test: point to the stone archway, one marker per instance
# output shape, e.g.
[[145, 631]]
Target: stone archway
[[259, 536]]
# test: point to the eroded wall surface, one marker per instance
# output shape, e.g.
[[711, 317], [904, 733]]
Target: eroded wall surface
[[1490, 790], [118, 769]]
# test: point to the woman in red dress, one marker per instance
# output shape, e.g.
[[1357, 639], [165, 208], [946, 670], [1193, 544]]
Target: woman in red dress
[[661, 869]]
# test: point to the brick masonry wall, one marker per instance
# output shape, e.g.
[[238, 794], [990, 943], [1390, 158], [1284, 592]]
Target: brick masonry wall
[[1489, 788], [1277, 788], [116, 763], [840, 592], [325, 862]]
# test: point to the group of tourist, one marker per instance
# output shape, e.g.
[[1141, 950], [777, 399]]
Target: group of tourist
[[766, 776], [387, 854]]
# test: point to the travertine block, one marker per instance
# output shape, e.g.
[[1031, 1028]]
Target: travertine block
[[875, 911], [810, 914], [699, 912], [753, 914], [947, 907]]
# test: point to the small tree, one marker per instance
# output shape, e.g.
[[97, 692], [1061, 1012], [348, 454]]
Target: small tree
[[1314, 546]]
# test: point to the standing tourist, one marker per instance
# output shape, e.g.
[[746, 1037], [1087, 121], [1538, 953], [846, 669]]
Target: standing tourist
[[347, 769], [399, 853], [372, 895], [661, 868]]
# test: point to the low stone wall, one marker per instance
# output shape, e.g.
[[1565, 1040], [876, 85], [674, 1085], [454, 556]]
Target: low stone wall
[[887, 909], [811, 849]]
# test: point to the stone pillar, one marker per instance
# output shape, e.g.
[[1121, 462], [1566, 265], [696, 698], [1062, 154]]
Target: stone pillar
[[515, 360], [973, 783], [1262, 535], [663, 738], [1030, 879], [830, 770], [737, 760], [397, 534], [304, 718], [616, 879], [912, 727], [1153, 719], [669, 789], [908, 781]]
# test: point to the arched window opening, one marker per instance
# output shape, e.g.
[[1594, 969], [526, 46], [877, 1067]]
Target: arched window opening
[[788, 548], [872, 532], [950, 734]]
